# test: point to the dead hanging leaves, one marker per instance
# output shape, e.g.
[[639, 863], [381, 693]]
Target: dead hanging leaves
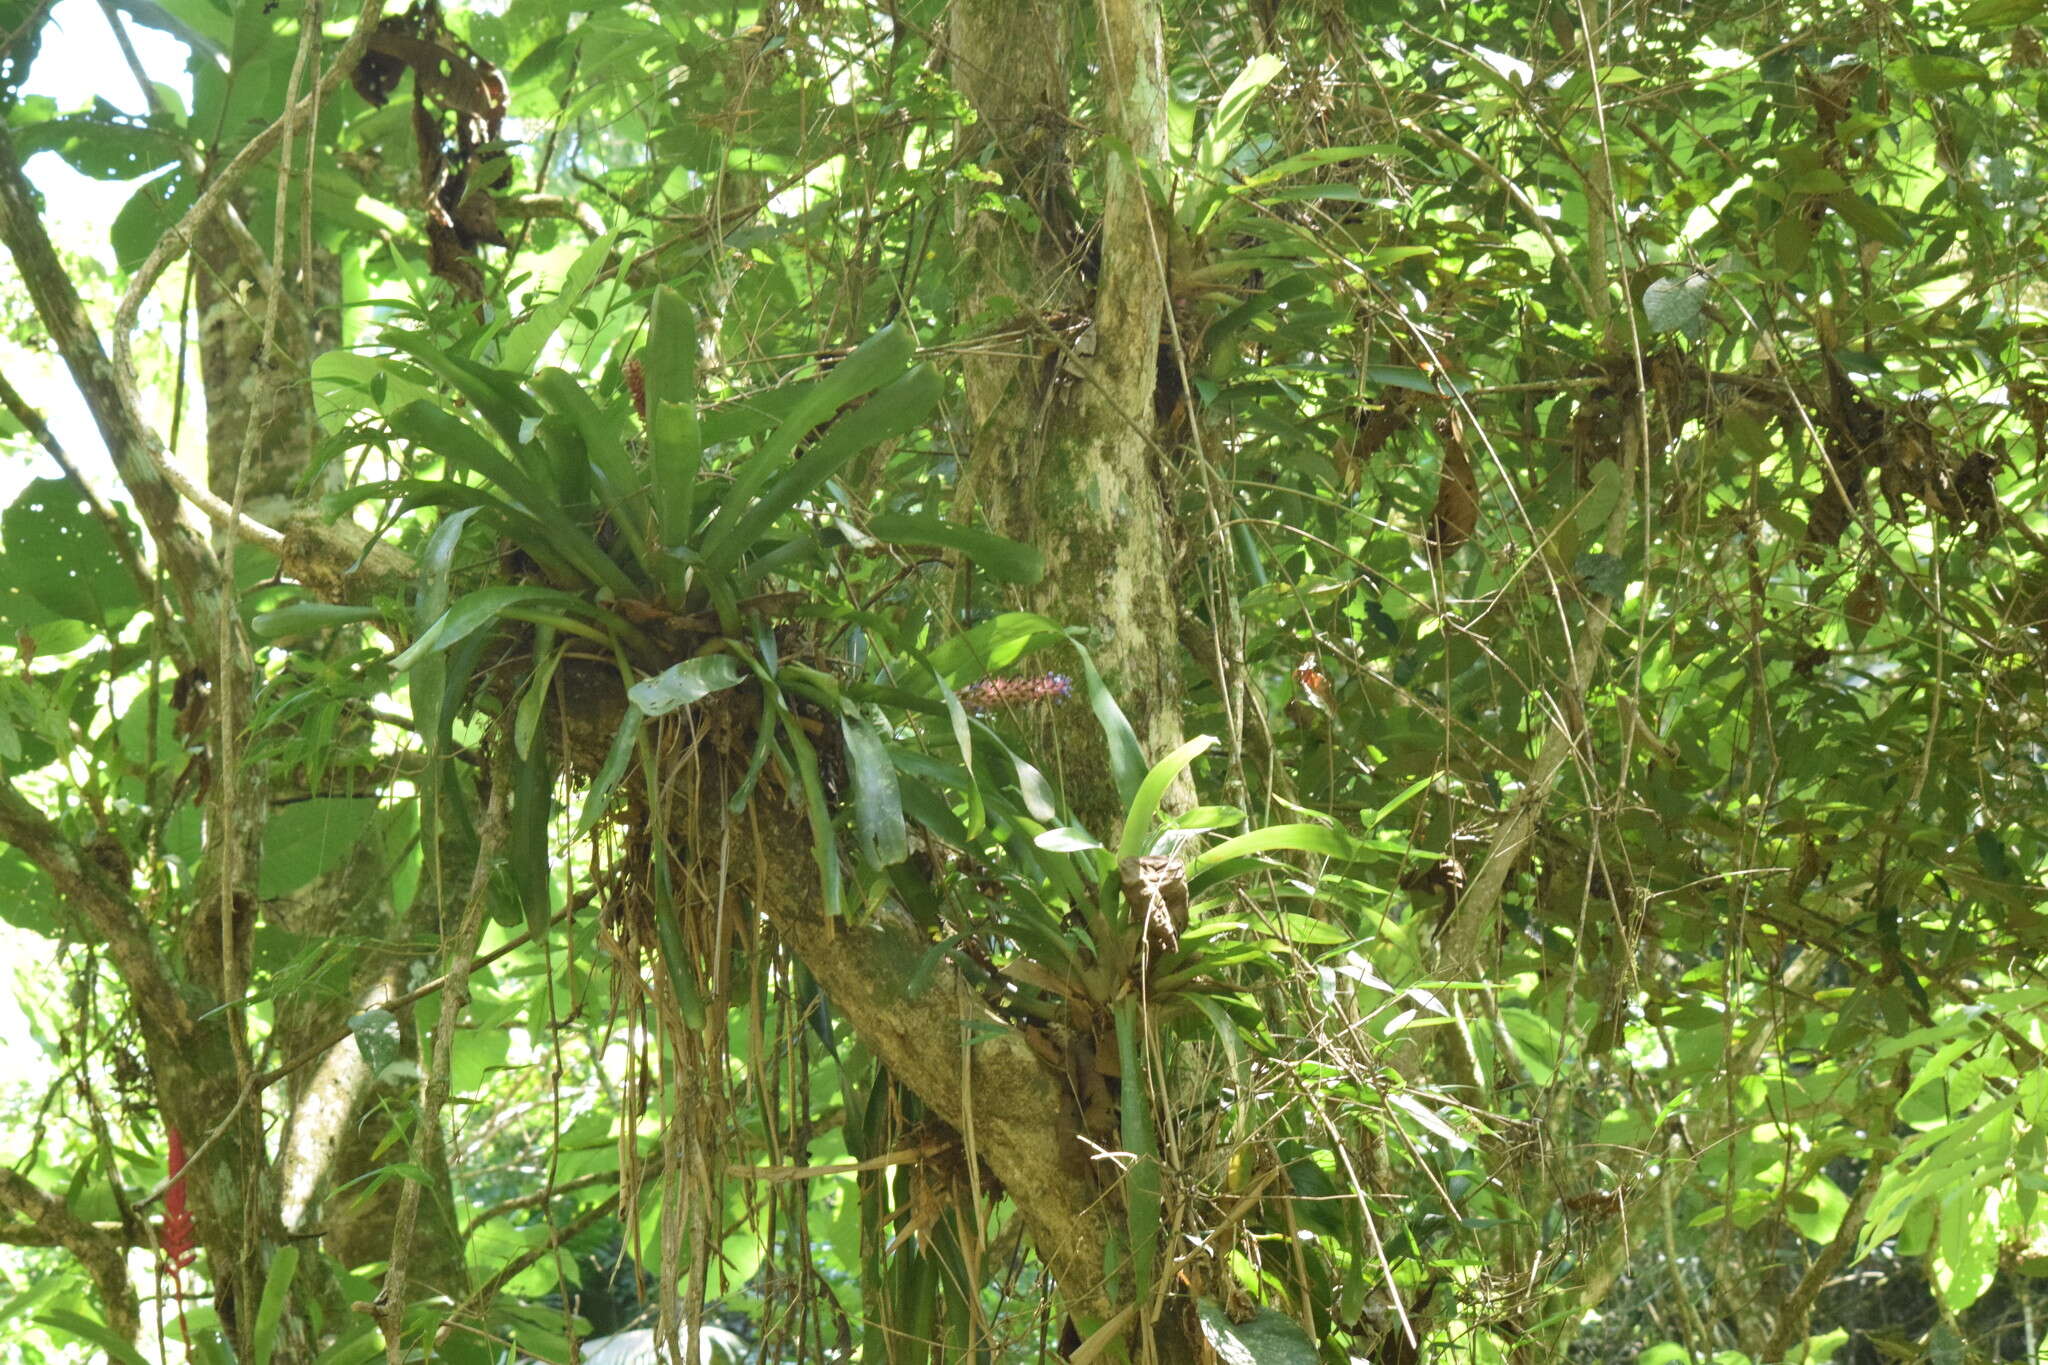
[[1900, 443], [1456, 514], [458, 114]]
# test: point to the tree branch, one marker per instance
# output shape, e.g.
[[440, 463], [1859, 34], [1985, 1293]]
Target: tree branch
[[106, 910], [102, 1253], [184, 554], [522, 206], [1020, 1115]]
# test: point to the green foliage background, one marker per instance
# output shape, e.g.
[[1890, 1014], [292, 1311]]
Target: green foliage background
[[1602, 446]]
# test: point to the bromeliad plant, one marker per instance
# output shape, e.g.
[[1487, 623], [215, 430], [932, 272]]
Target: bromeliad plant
[[653, 552], [648, 598]]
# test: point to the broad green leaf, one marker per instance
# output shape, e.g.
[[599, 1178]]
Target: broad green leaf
[[993, 645], [1137, 835], [686, 683], [1966, 1260], [1269, 1338], [877, 803], [2002, 13], [1674, 301], [1598, 503], [305, 840], [60, 554], [1933, 73], [377, 1039], [1870, 220], [93, 1333], [27, 899]]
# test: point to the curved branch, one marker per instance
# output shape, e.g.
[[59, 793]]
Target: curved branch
[[552, 206], [1016, 1107], [106, 910], [174, 244], [102, 1253]]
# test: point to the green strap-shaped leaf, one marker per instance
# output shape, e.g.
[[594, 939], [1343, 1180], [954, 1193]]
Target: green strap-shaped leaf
[[523, 343], [1302, 838], [533, 781], [495, 394], [608, 775], [625, 500], [1126, 759], [465, 448], [478, 609], [675, 441], [1137, 836], [303, 618], [85, 1329], [963, 739], [877, 802], [1142, 1201], [874, 363], [1002, 559], [1221, 139], [543, 526], [899, 408], [824, 844], [513, 520], [277, 1287], [533, 700]]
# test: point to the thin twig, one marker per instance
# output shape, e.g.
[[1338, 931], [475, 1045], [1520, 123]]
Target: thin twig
[[388, 1309]]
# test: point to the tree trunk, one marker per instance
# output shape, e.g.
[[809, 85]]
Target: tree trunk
[[261, 439], [1063, 455]]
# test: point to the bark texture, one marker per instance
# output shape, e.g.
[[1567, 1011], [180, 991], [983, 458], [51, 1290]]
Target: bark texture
[[1017, 1109], [1063, 454]]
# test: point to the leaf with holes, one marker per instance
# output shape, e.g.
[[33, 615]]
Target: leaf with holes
[[1266, 1338], [1673, 303], [686, 683], [57, 552]]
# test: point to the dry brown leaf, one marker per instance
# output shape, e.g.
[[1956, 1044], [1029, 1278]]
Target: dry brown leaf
[[1456, 513]]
